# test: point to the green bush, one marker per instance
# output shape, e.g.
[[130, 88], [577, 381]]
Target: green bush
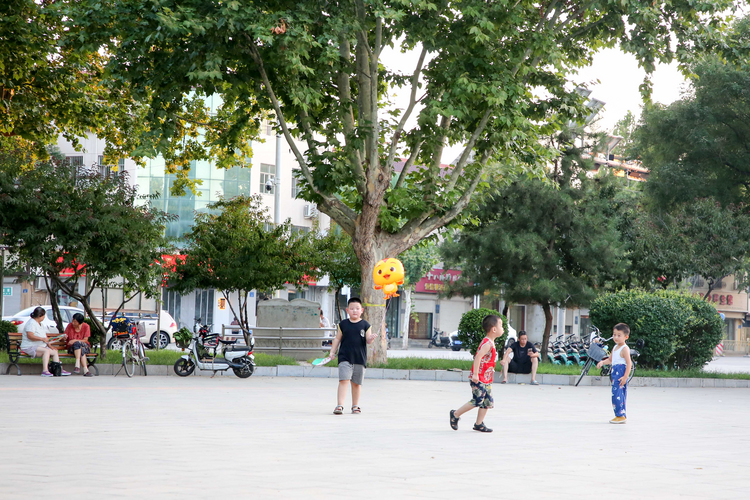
[[652, 318], [471, 333], [680, 331], [6, 327], [695, 343]]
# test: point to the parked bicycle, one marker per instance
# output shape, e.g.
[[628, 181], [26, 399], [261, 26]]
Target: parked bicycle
[[133, 351], [598, 351]]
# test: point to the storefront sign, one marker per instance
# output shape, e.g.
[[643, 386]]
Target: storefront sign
[[436, 280], [719, 299]]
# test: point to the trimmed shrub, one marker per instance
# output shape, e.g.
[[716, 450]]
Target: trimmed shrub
[[695, 343], [653, 318], [6, 327], [471, 333]]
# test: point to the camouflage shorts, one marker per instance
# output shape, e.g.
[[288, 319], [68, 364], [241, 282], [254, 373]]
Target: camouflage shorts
[[481, 395]]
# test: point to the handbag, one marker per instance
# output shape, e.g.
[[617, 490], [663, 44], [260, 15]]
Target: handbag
[[55, 368]]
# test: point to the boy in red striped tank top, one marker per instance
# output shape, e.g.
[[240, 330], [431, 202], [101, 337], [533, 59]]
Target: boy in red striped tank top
[[482, 372]]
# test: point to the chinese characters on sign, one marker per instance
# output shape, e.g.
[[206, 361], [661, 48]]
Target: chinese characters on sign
[[722, 300], [436, 280]]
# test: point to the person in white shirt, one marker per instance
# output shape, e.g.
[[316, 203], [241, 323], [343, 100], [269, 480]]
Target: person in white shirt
[[34, 341]]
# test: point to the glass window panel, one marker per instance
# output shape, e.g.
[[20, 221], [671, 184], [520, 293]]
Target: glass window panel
[[114, 298]]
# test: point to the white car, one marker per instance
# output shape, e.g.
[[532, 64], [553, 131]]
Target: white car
[[66, 312], [146, 326]]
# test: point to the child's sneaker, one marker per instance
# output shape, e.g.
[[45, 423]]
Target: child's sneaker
[[618, 420], [77, 370], [63, 373], [47, 374]]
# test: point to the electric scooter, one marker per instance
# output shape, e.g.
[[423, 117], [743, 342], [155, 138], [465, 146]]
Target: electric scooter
[[208, 352]]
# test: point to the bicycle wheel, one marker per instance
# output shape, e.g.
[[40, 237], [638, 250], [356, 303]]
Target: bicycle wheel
[[585, 370], [632, 372], [129, 359]]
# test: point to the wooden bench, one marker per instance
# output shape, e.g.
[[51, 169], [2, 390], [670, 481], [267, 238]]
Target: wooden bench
[[15, 354]]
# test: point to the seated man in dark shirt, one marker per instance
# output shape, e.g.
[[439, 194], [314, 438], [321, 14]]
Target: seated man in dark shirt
[[525, 359]]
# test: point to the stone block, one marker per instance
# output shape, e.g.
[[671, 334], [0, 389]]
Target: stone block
[[391, 374], [600, 381], [585, 381], [669, 382], [522, 378], [448, 376], [511, 378], [374, 373], [319, 371], [730, 383], [290, 371], [422, 375], [158, 370], [264, 371], [708, 382], [743, 383], [550, 379], [720, 382], [690, 382], [466, 376]]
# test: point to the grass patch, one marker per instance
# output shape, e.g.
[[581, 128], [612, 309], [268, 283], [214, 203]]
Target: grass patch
[[162, 357], [547, 368]]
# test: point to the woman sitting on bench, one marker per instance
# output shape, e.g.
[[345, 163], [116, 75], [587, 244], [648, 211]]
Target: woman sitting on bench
[[34, 341], [78, 334]]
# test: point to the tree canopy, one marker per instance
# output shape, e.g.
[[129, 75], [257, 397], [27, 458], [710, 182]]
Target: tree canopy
[[542, 241], [699, 146], [65, 222], [234, 247]]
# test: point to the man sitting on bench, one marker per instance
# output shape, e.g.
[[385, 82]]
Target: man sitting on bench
[[525, 359]]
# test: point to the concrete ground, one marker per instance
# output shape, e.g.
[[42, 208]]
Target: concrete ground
[[275, 437]]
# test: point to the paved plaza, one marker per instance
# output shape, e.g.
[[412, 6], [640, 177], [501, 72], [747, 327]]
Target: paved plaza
[[275, 437]]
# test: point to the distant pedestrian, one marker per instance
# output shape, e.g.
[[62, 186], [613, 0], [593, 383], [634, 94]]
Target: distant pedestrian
[[482, 372], [621, 366], [353, 336]]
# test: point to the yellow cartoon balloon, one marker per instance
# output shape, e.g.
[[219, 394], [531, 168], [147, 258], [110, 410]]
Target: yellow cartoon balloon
[[388, 275]]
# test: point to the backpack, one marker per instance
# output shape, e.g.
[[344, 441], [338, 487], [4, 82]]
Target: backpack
[[55, 368]]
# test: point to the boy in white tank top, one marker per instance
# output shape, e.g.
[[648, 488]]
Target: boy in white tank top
[[621, 366]]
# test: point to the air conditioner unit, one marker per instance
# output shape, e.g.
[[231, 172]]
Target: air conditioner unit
[[40, 284], [310, 211]]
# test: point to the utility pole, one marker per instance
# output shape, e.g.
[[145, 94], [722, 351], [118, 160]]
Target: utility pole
[[277, 182]]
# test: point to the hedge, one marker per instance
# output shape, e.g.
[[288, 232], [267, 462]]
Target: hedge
[[696, 341], [680, 331], [471, 333], [6, 327]]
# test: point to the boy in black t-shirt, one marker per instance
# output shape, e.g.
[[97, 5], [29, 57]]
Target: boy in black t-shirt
[[353, 336]]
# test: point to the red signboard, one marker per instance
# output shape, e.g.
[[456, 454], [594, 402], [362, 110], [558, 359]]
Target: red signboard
[[435, 280]]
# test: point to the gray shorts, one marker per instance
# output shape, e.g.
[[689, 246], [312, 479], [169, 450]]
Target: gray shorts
[[355, 373]]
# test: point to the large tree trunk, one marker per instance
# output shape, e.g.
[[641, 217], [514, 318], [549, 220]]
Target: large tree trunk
[[547, 329], [407, 315], [369, 252]]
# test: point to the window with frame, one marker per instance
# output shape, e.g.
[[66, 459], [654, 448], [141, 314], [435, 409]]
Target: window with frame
[[267, 173], [295, 184]]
